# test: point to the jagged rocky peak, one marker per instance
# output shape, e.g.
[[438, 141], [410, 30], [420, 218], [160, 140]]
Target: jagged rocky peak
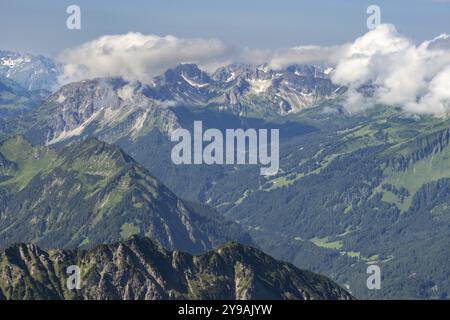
[[242, 71], [31, 72], [95, 89], [140, 268], [186, 70], [264, 72], [85, 98], [283, 91], [93, 147], [307, 79]]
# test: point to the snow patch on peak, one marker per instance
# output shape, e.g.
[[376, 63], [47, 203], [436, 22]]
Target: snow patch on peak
[[193, 83], [260, 86], [61, 98]]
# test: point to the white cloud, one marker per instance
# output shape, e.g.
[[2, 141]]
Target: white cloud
[[436, 100], [135, 56], [402, 73]]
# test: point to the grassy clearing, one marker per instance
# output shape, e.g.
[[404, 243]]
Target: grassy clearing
[[325, 243], [128, 230]]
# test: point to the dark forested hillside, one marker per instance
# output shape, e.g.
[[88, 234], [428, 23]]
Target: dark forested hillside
[[90, 193]]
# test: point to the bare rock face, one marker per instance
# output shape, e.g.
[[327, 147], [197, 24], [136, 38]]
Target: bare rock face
[[111, 108], [140, 268]]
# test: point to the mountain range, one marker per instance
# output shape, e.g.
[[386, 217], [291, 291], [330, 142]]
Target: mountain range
[[29, 71], [353, 189], [140, 268]]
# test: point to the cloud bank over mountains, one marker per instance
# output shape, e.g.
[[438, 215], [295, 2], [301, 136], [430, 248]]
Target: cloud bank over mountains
[[399, 71], [393, 68], [135, 56]]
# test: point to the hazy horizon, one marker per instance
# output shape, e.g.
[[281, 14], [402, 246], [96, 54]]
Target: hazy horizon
[[39, 27]]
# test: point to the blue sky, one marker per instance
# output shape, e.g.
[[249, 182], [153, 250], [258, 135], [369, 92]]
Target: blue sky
[[39, 26]]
